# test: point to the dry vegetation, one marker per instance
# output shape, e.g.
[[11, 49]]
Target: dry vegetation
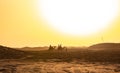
[[81, 55], [57, 67], [87, 60]]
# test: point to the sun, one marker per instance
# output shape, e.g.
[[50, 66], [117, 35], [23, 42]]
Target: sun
[[79, 17]]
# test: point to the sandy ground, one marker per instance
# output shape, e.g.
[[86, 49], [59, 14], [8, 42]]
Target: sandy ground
[[57, 67]]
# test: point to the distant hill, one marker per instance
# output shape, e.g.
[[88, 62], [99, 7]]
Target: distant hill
[[10, 53], [105, 46], [34, 48]]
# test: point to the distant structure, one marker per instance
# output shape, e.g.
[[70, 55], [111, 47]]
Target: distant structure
[[102, 39]]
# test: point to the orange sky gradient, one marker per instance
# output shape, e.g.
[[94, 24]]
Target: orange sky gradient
[[21, 25]]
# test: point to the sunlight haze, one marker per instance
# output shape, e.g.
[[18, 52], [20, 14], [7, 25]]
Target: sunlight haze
[[22, 23]]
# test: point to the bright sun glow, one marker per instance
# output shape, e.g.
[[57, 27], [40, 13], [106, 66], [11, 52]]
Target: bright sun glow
[[79, 17]]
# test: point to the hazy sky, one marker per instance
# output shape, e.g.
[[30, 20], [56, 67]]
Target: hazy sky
[[21, 25]]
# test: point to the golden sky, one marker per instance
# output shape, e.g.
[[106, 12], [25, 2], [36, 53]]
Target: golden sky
[[21, 25]]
